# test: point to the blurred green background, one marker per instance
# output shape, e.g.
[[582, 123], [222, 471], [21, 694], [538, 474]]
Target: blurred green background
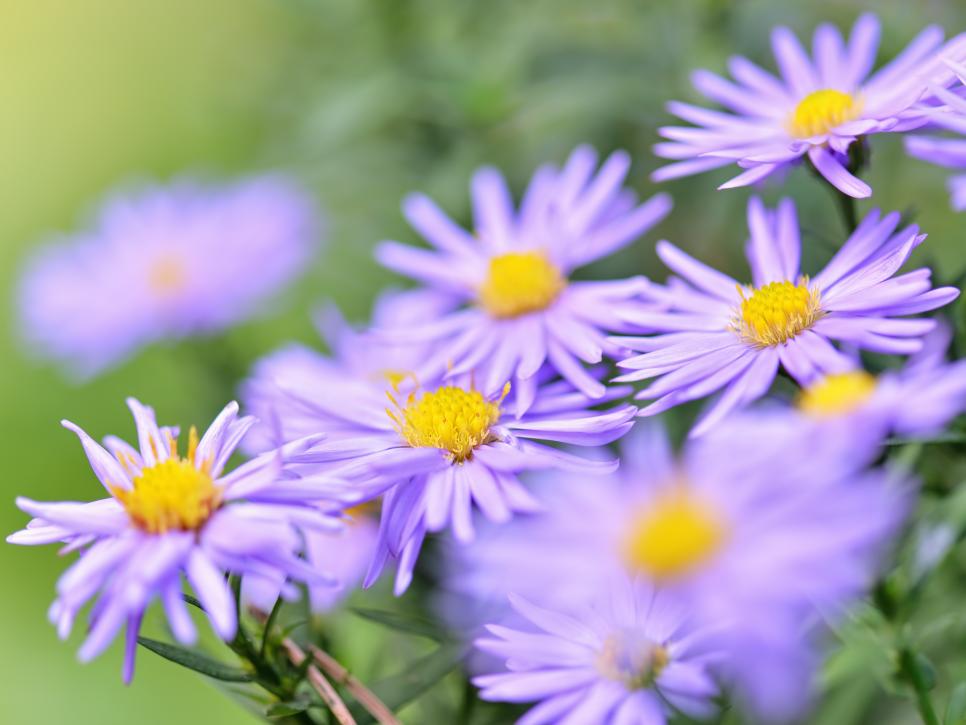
[[364, 100]]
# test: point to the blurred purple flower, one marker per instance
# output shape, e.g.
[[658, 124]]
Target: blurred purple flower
[[819, 107], [949, 152], [631, 658], [161, 263], [510, 276], [169, 515], [715, 333], [760, 533]]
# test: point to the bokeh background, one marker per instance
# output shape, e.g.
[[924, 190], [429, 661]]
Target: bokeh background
[[363, 100]]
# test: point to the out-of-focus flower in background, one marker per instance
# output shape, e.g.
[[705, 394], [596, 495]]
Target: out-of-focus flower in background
[[714, 333], [948, 152], [629, 656], [763, 538], [164, 262], [819, 107], [170, 515], [510, 276]]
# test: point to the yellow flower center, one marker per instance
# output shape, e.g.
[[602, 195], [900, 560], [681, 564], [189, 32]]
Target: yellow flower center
[[632, 659], [171, 495], [776, 312], [674, 536], [821, 111], [520, 282], [450, 418], [167, 275], [837, 394]]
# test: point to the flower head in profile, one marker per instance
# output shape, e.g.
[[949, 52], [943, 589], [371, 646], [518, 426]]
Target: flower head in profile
[[173, 512], [915, 401], [950, 152], [760, 537], [818, 107], [164, 262], [510, 276], [438, 451], [712, 333], [629, 656]]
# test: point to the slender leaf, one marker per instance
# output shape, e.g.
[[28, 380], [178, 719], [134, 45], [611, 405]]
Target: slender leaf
[[195, 661], [287, 709], [399, 690], [956, 707], [399, 622]]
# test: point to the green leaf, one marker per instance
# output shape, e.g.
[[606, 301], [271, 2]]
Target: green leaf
[[287, 709], [399, 622], [195, 661], [926, 670], [399, 690], [956, 707]]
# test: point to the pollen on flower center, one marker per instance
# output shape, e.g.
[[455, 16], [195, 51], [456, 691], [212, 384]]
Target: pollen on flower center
[[776, 312], [837, 394], [167, 275], [520, 282], [451, 418], [171, 495], [821, 111], [632, 659], [676, 534]]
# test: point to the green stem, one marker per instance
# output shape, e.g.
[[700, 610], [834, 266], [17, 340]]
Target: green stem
[[911, 673], [847, 210]]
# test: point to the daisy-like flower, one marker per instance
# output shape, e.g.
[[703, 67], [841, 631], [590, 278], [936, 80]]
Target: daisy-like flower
[[164, 262], [632, 657], [714, 333], [170, 515], [510, 276], [759, 534], [438, 451], [916, 401], [818, 108], [947, 152]]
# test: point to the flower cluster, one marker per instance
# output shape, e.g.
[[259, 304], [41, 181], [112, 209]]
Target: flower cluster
[[602, 585]]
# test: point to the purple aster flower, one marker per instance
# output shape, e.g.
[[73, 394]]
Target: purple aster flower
[[510, 276], [716, 334], [762, 536], [947, 152], [169, 515], [439, 451], [164, 262], [632, 657], [819, 107], [916, 401]]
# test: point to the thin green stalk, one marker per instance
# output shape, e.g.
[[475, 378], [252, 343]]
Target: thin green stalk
[[911, 673]]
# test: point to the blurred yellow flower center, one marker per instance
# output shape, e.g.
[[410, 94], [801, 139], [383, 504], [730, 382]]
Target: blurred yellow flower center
[[837, 394], [821, 111], [674, 536], [520, 282], [632, 659], [777, 312], [171, 495], [451, 418], [167, 275]]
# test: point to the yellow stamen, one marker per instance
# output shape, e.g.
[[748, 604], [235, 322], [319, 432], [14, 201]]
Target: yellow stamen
[[451, 418], [821, 111], [837, 394], [776, 312], [170, 495], [167, 275], [676, 534], [520, 282]]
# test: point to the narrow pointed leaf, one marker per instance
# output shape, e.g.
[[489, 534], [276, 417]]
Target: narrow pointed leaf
[[195, 661], [399, 622]]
